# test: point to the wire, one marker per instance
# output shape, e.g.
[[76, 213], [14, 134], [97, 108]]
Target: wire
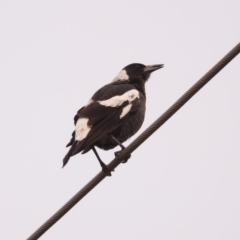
[[137, 142]]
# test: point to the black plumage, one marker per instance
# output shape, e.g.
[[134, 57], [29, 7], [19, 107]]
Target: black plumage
[[114, 113]]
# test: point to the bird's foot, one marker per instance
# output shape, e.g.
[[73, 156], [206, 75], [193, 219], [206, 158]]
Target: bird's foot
[[117, 154], [106, 170]]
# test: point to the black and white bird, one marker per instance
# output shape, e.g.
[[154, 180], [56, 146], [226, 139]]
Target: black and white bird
[[113, 114]]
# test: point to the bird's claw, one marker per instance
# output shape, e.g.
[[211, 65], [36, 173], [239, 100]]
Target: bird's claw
[[117, 154], [106, 171]]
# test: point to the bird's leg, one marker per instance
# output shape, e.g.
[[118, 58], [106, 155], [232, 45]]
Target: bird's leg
[[103, 165], [120, 144]]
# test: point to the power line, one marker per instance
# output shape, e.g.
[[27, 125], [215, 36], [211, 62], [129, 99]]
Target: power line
[[137, 142]]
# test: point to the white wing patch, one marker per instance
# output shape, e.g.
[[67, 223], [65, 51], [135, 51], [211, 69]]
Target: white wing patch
[[89, 102], [126, 110], [82, 129], [121, 76], [118, 100]]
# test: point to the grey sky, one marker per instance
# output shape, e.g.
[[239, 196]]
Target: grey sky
[[183, 183]]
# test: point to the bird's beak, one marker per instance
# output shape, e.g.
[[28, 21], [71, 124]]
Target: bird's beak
[[151, 68]]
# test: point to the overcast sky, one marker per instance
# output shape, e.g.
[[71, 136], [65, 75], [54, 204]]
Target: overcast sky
[[182, 183]]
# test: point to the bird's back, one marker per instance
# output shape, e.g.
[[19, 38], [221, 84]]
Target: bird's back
[[128, 128]]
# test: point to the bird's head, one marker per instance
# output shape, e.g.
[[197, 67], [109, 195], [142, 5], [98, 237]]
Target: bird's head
[[137, 72]]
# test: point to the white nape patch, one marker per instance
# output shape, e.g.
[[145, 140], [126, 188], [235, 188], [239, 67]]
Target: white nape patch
[[121, 76], [89, 102], [118, 100], [81, 129], [126, 110]]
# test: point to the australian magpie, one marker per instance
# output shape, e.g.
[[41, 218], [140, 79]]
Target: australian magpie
[[113, 114]]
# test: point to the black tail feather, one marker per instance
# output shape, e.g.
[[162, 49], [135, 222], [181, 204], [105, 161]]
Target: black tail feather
[[69, 154], [72, 139], [78, 147]]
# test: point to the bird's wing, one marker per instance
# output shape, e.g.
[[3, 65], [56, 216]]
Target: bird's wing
[[110, 123], [106, 112]]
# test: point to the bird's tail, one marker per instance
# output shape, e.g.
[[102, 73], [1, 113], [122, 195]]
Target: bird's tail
[[69, 154]]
